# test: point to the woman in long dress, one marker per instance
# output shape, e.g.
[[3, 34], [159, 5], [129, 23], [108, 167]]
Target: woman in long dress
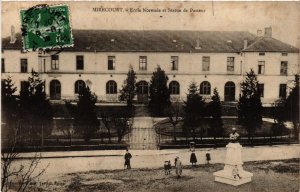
[[178, 167], [193, 159]]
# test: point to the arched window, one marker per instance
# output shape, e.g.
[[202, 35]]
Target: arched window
[[79, 85], [174, 88], [111, 87], [205, 88]]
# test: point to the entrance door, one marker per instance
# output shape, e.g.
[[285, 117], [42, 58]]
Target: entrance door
[[142, 92], [229, 93], [55, 90]]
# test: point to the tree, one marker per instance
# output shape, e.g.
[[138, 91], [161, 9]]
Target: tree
[[159, 92], [11, 113], [86, 121], [35, 109], [24, 174], [107, 121], [128, 90], [278, 115], [9, 105], [122, 126], [193, 108], [216, 123], [249, 105], [66, 125], [292, 106], [174, 113]]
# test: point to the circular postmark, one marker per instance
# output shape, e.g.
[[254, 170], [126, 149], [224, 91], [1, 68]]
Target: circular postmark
[[46, 28]]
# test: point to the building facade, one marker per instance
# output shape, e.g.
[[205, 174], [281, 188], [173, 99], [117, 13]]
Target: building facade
[[102, 58]]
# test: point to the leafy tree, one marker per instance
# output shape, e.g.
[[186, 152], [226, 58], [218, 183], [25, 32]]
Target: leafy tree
[[86, 121], [35, 109], [128, 90], [292, 106], [9, 104], [215, 109], [193, 108], [159, 92], [249, 105]]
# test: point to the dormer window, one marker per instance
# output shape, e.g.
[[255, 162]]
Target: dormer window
[[262, 54]]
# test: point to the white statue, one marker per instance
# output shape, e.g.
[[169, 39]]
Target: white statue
[[233, 164]]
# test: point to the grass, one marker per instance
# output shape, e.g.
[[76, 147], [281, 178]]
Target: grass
[[269, 176]]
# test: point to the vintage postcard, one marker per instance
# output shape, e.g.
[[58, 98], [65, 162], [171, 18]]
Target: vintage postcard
[[150, 96]]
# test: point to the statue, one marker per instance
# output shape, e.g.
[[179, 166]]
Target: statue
[[233, 163], [234, 136]]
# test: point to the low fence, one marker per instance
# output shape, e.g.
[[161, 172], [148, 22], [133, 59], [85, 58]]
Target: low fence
[[62, 144], [167, 142]]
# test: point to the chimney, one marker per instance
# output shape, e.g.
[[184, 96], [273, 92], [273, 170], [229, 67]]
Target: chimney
[[268, 31], [12, 35], [197, 44], [259, 33], [245, 43]]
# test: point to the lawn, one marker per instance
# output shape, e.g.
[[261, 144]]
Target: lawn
[[273, 176]]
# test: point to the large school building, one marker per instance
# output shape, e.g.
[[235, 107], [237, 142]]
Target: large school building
[[102, 58]]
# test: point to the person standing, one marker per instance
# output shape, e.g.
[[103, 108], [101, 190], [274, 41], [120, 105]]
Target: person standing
[[208, 158], [127, 160], [178, 167], [193, 158]]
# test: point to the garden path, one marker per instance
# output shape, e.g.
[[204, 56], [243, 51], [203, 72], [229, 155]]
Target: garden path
[[143, 134]]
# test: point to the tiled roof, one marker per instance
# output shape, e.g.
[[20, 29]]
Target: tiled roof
[[165, 41], [269, 44]]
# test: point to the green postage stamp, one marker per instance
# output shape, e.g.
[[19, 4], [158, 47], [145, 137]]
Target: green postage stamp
[[46, 27]]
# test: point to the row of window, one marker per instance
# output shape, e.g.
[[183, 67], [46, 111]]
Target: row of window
[[174, 87], [282, 90], [283, 67], [111, 64], [206, 63]]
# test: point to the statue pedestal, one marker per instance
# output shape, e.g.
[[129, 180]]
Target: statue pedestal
[[233, 158]]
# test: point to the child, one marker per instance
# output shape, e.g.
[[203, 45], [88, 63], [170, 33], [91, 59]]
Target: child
[[178, 167], [207, 157], [167, 167], [235, 172]]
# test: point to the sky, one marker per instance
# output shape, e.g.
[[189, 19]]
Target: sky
[[283, 17]]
